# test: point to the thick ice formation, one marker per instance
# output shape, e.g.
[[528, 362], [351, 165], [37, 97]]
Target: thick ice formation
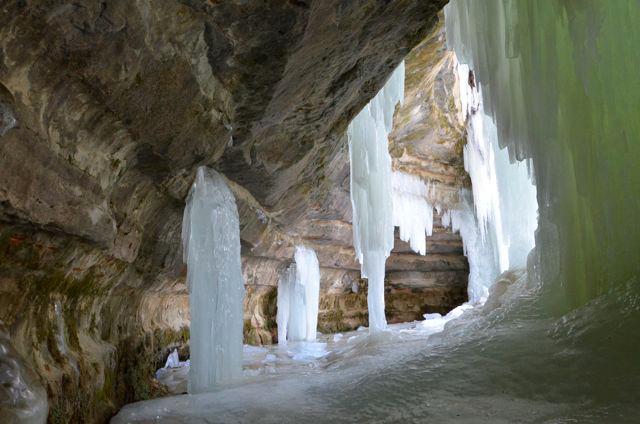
[[309, 270], [412, 212], [559, 80], [483, 264], [371, 189], [503, 194], [211, 242], [498, 230], [287, 280], [298, 298]]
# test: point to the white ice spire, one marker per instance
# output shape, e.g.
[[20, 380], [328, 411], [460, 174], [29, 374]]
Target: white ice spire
[[298, 298], [211, 242]]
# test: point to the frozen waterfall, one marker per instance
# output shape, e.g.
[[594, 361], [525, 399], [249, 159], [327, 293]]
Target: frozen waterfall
[[211, 243], [371, 190], [503, 193], [497, 221], [298, 298]]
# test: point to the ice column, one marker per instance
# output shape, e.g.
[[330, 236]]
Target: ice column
[[371, 197], [309, 272], [211, 243], [298, 298], [287, 278]]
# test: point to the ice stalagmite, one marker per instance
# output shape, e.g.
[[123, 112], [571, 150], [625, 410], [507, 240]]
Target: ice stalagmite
[[298, 298], [211, 242], [371, 189], [284, 302], [309, 271]]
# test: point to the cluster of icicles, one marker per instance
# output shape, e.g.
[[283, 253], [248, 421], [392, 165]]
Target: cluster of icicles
[[382, 200]]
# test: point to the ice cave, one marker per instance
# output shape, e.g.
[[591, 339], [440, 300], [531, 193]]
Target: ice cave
[[319, 211]]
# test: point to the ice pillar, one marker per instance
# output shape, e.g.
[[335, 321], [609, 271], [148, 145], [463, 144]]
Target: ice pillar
[[211, 242], [298, 298]]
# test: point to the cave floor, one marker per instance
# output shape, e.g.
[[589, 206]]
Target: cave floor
[[298, 360], [505, 362], [303, 357]]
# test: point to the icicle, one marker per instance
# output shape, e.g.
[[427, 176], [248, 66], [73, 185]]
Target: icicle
[[211, 242], [412, 213], [480, 253], [371, 190]]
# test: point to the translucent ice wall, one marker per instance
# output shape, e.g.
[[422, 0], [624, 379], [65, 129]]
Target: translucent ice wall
[[299, 297], [211, 243], [371, 196], [560, 81]]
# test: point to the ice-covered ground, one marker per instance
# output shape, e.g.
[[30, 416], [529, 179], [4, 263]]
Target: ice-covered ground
[[509, 361], [211, 250], [302, 357]]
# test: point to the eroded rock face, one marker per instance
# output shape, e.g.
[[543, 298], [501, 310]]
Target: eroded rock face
[[106, 110]]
